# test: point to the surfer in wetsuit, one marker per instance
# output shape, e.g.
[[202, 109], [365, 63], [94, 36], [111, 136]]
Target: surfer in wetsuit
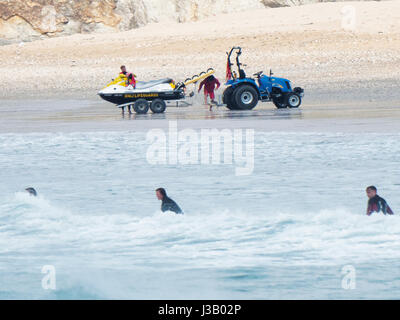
[[167, 203], [130, 76], [31, 191], [376, 203]]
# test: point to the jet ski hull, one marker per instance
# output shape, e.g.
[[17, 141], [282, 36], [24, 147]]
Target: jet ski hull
[[123, 98]]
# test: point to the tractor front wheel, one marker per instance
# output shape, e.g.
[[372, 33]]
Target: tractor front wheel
[[293, 100], [246, 97]]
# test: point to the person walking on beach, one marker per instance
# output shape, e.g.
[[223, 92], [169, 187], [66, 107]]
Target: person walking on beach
[[209, 84], [130, 76], [376, 203], [167, 203]]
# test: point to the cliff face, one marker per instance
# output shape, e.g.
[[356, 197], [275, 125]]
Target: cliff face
[[30, 19], [26, 20]]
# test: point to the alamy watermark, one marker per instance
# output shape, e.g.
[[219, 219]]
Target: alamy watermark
[[204, 146], [349, 17], [349, 278], [49, 280]]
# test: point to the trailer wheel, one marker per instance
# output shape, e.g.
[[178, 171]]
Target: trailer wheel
[[293, 100], [141, 106], [245, 97], [227, 98], [158, 106]]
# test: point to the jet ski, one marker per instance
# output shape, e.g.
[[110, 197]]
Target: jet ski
[[117, 92], [147, 95]]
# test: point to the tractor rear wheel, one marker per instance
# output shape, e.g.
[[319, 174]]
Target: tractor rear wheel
[[227, 98], [245, 97]]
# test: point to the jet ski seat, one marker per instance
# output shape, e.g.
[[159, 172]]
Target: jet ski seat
[[152, 83]]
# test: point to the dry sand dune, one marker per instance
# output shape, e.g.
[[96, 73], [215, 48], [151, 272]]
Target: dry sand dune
[[315, 45]]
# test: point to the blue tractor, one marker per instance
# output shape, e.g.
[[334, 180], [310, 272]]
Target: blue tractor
[[243, 93]]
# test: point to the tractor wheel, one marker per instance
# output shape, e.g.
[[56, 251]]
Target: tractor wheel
[[158, 106], [280, 102], [227, 98], [293, 100], [245, 97], [141, 106]]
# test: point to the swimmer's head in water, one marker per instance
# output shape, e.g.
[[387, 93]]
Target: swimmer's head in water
[[160, 193], [31, 191], [371, 191]]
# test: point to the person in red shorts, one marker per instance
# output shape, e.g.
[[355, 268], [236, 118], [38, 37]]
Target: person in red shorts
[[209, 84]]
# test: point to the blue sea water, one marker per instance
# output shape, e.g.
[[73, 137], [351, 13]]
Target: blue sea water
[[284, 231]]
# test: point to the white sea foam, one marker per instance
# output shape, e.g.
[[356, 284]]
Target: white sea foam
[[287, 229]]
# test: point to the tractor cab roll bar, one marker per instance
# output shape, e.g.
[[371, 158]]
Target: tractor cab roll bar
[[241, 72]]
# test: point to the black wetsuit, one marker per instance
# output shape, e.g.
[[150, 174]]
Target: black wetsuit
[[170, 205], [378, 204]]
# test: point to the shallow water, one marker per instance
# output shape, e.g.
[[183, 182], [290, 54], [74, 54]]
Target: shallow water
[[79, 115], [285, 231]]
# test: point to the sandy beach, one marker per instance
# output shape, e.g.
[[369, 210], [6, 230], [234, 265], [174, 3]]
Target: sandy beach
[[348, 73], [313, 45]]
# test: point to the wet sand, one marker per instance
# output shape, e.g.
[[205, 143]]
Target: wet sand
[[320, 112]]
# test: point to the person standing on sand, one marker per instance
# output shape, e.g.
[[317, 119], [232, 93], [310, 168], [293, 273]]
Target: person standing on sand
[[130, 76], [376, 203], [209, 84]]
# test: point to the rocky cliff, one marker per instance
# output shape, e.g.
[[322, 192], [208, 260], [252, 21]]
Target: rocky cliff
[[26, 20]]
